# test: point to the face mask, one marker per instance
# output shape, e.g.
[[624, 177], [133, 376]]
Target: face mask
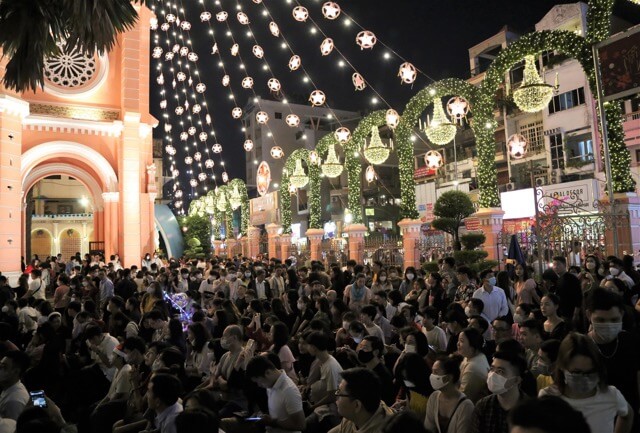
[[492, 281], [192, 278], [581, 383], [393, 275], [409, 384], [383, 279], [5, 309], [127, 358], [357, 340], [543, 369], [607, 331], [148, 257], [300, 305], [224, 343], [614, 271], [518, 318], [85, 283], [437, 381], [410, 348], [410, 277], [496, 383], [150, 290], [157, 365], [364, 356], [467, 311], [247, 274], [591, 266]]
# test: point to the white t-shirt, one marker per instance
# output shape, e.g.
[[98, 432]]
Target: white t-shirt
[[377, 331], [600, 410], [38, 289], [121, 383], [106, 346], [284, 401], [436, 338]]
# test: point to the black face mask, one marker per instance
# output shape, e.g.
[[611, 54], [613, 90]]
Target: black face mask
[[364, 356]]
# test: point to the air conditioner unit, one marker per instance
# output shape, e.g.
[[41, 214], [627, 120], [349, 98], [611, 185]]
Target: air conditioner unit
[[540, 181], [511, 186]]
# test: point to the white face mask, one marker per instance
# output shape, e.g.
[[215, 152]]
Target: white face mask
[[607, 331], [410, 348], [383, 278], [614, 271], [410, 277], [591, 266], [409, 384], [438, 381], [496, 383], [467, 311]]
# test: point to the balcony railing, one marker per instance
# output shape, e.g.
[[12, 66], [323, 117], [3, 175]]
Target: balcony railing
[[632, 116], [65, 216]]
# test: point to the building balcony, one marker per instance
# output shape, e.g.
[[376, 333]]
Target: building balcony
[[631, 125], [78, 217], [580, 164]]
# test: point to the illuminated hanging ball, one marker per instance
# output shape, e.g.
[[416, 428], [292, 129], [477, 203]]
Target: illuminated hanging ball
[[242, 18], [262, 117], [175, 172], [317, 98], [168, 55], [342, 134], [216, 148], [192, 57], [214, 49], [175, 48], [208, 119], [193, 183], [202, 177], [274, 29], [160, 79], [295, 62], [205, 16], [157, 52], [197, 156], [247, 83], [366, 39], [248, 145], [236, 113], [184, 51], [300, 13], [185, 25], [164, 27], [196, 108], [392, 118], [170, 149], [370, 174], [171, 18], [292, 120], [222, 16], [274, 85], [209, 163], [331, 10], [358, 81], [181, 76], [188, 160], [314, 158], [457, 107], [168, 127], [153, 23], [517, 145], [184, 136], [276, 152], [257, 51], [200, 87], [179, 110]]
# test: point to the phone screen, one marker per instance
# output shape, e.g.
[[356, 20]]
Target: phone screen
[[37, 398], [256, 418]]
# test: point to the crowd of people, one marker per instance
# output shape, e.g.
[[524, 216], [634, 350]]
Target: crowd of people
[[252, 345]]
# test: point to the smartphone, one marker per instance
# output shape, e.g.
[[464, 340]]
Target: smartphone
[[250, 345], [253, 418], [37, 398]]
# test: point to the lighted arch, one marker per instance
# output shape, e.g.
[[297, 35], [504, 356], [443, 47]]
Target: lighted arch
[[68, 149], [315, 207]]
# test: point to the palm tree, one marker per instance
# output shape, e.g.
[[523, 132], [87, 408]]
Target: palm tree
[[31, 31]]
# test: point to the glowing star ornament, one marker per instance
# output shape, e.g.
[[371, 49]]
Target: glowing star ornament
[[274, 85], [193, 183], [205, 16], [534, 94], [184, 136], [214, 49], [164, 27], [163, 104], [193, 57], [299, 178], [314, 159], [168, 127], [366, 39], [209, 163], [370, 174], [216, 148], [185, 25], [247, 83], [196, 108], [376, 152], [262, 117], [171, 18], [203, 136], [331, 166], [160, 79], [358, 81], [201, 87], [168, 55], [235, 48], [188, 160], [317, 98], [170, 149], [179, 110], [248, 145], [517, 145], [407, 73], [276, 152], [342, 134], [153, 23], [157, 52], [300, 13], [181, 76], [236, 113], [225, 177], [202, 177], [226, 80], [184, 51], [292, 189], [458, 108], [331, 10], [222, 16], [292, 120], [192, 130], [326, 46], [257, 51], [392, 118], [175, 48], [295, 62], [207, 119], [242, 18], [440, 130], [433, 160], [274, 29]]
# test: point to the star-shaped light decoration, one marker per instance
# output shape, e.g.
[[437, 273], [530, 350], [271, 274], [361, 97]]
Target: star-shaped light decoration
[[247, 82], [257, 51], [153, 23], [181, 76], [366, 39], [214, 49], [184, 51], [407, 73], [300, 13], [517, 145], [184, 136], [274, 85], [193, 57], [168, 127], [168, 55], [326, 46], [179, 110], [209, 163], [185, 25], [317, 98], [175, 48], [342, 134], [188, 160], [171, 18], [295, 62], [226, 80], [160, 78], [314, 159], [163, 104], [196, 108], [193, 183], [274, 29], [370, 174], [216, 148], [203, 136], [205, 16], [225, 177], [392, 118], [242, 18], [157, 52], [331, 10], [202, 177], [235, 48], [276, 152], [197, 156], [170, 149], [222, 16], [192, 130], [208, 119], [236, 113], [433, 160], [262, 117], [292, 120], [201, 87], [248, 145], [458, 107], [164, 27], [358, 81]]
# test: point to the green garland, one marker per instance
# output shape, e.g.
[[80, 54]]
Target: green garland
[[244, 207], [315, 204]]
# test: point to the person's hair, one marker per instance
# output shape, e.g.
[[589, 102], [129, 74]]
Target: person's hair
[[457, 317], [551, 348], [19, 359], [560, 259], [360, 275], [615, 261], [197, 420], [416, 370], [234, 331], [484, 273], [92, 331], [534, 326], [258, 367], [553, 298], [477, 304], [376, 344], [410, 270], [370, 311], [550, 275], [451, 365], [357, 327], [573, 345], [525, 271], [450, 261], [465, 270], [603, 299], [515, 359], [35, 419], [484, 325], [431, 312], [166, 388], [325, 306], [474, 337], [201, 334], [363, 385], [134, 343], [549, 414], [422, 344], [280, 333], [318, 340]]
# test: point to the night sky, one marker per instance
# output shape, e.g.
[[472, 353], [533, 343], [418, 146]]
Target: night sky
[[434, 35]]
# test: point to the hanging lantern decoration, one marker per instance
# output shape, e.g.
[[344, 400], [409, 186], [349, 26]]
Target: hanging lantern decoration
[[247, 83], [202, 177], [534, 94], [314, 159], [175, 48], [179, 110], [193, 183], [226, 80], [242, 18], [440, 130], [358, 81], [292, 120], [160, 79], [370, 174], [274, 85], [207, 119], [170, 149], [216, 148], [235, 200], [171, 18], [407, 73], [193, 57], [317, 98], [196, 108], [295, 62], [163, 104], [392, 118], [221, 202], [366, 39], [222, 16], [205, 16], [300, 13], [326, 46], [235, 48], [168, 55], [236, 113], [299, 178], [517, 145], [342, 134], [248, 145], [168, 127], [433, 160], [458, 108], [184, 51], [164, 27], [153, 23], [331, 10], [197, 156], [225, 177], [276, 152], [257, 51], [331, 166], [274, 29], [262, 117], [209, 163], [376, 152]]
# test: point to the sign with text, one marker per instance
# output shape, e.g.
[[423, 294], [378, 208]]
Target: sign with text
[[264, 210], [620, 64]]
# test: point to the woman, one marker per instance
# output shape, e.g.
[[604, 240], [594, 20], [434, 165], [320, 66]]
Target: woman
[[407, 282], [382, 284], [323, 311], [448, 409], [199, 355], [292, 280], [176, 335], [554, 326], [279, 337], [152, 295], [504, 282], [580, 380], [305, 315], [474, 368], [437, 295], [89, 290], [338, 282], [122, 327], [61, 294], [415, 376], [525, 287], [591, 266]]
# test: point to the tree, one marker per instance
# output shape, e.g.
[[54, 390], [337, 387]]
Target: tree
[[451, 208], [32, 30], [199, 230]]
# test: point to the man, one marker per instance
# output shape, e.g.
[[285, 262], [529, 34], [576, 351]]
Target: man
[[530, 337], [260, 285], [283, 397], [382, 298], [369, 352], [162, 396], [436, 336], [548, 414], [466, 288], [318, 269], [276, 282], [358, 401], [106, 288], [501, 329], [100, 373], [447, 270], [14, 396], [357, 295], [494, 298], [155, 321], [6, 292], [567, 289], [367, 315], [616, 269], [126, 287], [227, 379], [37, 288], [575, 256]]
